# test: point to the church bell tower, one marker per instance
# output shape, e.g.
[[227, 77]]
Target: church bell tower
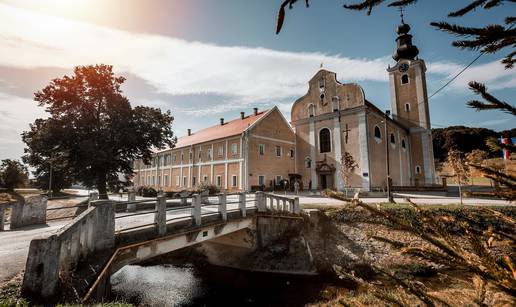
[[409, 104]]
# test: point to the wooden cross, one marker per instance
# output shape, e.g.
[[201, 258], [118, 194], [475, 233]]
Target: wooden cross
[[347, 130]]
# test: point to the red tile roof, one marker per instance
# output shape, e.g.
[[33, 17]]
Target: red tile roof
[[231, 128]]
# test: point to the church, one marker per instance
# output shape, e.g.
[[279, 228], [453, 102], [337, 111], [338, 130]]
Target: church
[[331, 121]]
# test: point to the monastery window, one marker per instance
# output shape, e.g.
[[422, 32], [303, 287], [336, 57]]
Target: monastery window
[[177, 181], [407, 107], [291, 153], [234, 148], [205, 178], [174, 158], [311, 110], [159, 180], [153, 180], [308, 162], [191, 155], [182, 156], [234, 181], [261, 149], [418, 169], [335, 101], [404, 79], [279, 151], [393, 140], [261, 180], [221, 151], [377, 133], [403, 145], [324, 140], [184, 181], [148, 180], [209, 153], [219, 181], [194, 181], [278, 179], [166, 180]]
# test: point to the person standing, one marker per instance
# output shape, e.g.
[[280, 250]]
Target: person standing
[[296, 187]]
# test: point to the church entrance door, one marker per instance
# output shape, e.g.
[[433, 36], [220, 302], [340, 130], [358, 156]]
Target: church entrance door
[[324, 183]]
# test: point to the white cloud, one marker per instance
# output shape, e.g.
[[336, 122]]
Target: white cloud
[[172, 65], [492, 73]]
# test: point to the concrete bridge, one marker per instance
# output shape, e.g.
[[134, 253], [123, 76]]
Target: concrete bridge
[[108, 235]]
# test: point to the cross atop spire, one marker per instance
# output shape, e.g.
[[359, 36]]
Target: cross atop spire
[[401, 14]]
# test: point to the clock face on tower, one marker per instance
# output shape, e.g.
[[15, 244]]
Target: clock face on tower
[[403, 67]]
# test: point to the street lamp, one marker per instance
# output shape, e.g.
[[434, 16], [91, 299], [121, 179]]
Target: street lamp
[[389, 192]]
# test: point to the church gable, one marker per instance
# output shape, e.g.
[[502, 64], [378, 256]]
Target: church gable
[[273, 125], [326, 95]]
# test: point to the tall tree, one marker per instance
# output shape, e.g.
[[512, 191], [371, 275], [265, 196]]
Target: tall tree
[[347, 168], [93, 132], [13, 174]]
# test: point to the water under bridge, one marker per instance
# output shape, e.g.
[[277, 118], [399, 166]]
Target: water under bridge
[[108, 235]]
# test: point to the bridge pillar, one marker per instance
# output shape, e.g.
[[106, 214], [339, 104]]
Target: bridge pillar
[[297, 207], [196, 209], [131, 196], [241, 204], [105, 224], [260, 202], [223, 207], [160, 217]]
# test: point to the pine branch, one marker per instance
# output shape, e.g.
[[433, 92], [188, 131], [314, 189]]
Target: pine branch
[[281, 13], [455, 29], [470, 7], [402, 3], [500, 177], [367, 4], [495, 145], [492, 102]]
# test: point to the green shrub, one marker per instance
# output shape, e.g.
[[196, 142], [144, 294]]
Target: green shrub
[[212, 189], [147, 191]]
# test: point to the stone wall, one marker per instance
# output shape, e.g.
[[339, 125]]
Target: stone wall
[[29, 210], [53, 257]]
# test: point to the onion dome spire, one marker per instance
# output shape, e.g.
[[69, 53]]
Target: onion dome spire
[[405, 49]]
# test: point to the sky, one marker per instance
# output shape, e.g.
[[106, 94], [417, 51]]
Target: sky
[[207, 59]]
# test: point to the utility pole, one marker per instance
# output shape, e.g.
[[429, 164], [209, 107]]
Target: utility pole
[[389, 192]]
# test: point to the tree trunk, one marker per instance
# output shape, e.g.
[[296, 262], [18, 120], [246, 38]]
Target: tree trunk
[[102, 187]]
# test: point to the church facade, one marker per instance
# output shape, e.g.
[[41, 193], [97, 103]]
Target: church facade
[[331, 121]]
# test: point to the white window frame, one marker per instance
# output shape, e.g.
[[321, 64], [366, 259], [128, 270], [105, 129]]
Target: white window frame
[[407, 107], [221, 151], [178, 181], [219, 180], [319, 139], [264, 180], [234, 181], [418, 169], [234, 148], [280, 151]]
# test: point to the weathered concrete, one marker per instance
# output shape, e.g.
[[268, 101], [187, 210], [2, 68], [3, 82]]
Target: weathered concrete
[[29, 210], [2, 218], [131, 196], [53, 257], [160, 217]]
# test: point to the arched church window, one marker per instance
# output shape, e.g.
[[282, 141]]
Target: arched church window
[[308, 162], [377, 133], [404, 79], [393, 139], [335, 101], [418, 169], [407, 107], [321, 83], [324, 140], [403, 145], [311, 110]]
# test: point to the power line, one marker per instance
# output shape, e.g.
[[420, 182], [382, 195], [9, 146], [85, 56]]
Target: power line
[[456, 76]]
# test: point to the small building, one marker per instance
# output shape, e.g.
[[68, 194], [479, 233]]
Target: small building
[[252, 151]]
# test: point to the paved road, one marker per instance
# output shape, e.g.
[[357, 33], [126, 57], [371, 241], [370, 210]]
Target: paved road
[[421, 199]]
